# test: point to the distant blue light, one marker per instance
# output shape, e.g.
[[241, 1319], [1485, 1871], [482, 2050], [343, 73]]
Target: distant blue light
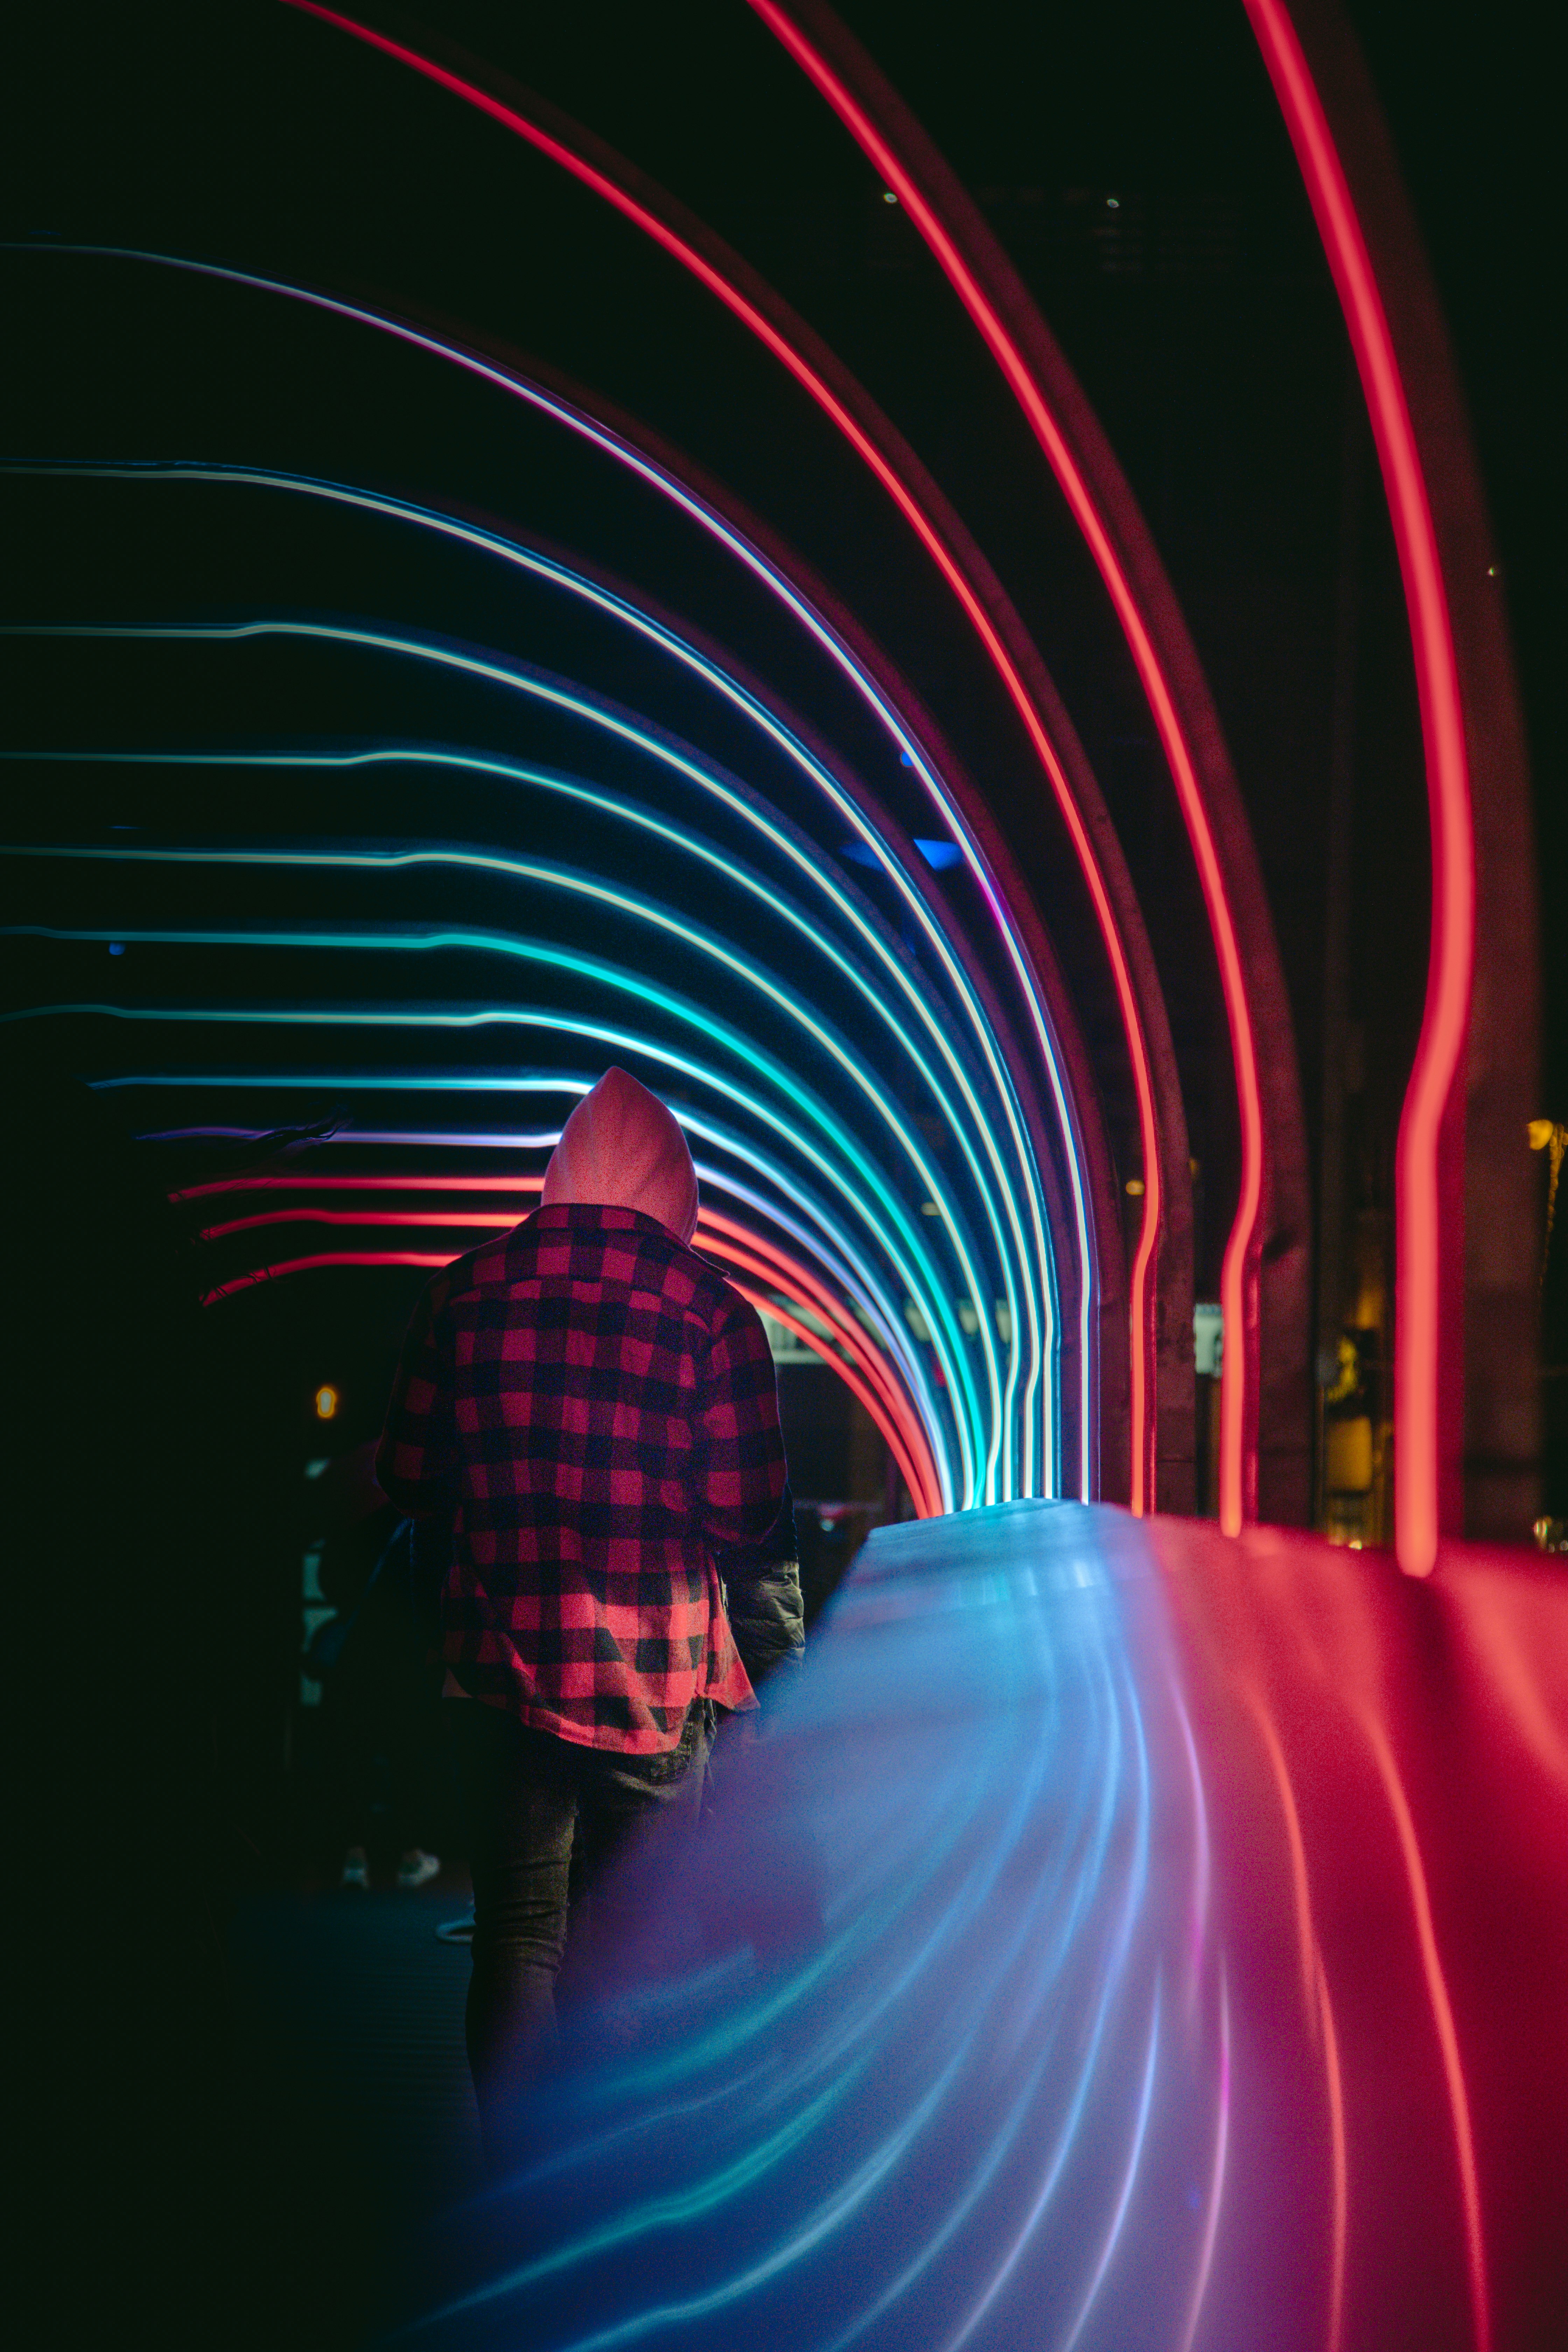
[[937, 854]]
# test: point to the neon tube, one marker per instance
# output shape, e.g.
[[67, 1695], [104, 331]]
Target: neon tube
[[905, 1438], [721, 1235], [1418, 1337], [956, 1370], [1235, 1370], [502, 674], [910, 749], [602, 1034], [559, 575], [936, 546], [826, 1243]]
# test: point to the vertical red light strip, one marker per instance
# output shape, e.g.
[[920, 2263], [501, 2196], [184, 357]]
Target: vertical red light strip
[[1443, 2024], [1140, 1316], [1235, 1484], [1418, 1337]]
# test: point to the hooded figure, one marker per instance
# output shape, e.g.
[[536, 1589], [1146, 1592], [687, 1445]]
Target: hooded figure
[[621, 1149], [592, 1409]]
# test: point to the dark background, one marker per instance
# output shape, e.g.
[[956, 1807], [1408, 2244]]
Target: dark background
[[1198, 313]]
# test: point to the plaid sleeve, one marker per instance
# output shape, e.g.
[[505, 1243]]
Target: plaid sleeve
[[417, 1457], [740, 1446]]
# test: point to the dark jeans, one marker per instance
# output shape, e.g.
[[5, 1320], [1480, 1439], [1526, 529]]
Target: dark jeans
[[544, 1818]]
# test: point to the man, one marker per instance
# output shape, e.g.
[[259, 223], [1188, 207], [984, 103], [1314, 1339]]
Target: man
[[594, 1410]]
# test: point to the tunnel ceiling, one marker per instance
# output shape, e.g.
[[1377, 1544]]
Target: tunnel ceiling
[[511, 581]]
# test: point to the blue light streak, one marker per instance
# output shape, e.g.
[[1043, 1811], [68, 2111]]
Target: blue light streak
[[927, 1285], [618, 1040], [967, 1776], [910, 752], [691, 935]]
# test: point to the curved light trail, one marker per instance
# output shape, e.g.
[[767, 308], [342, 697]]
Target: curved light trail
[[898, 2062], [737, 1243], [910, 749], [1239, 1371], [1037, 1312], [952, 571], [881, 1210], [691, 935], [1419, 1340]]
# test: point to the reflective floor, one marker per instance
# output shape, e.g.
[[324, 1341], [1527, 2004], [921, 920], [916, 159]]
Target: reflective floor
[[1121, 1938]]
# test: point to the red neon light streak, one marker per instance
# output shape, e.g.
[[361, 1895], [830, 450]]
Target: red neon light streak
[[324, 1257], [462, 1219], [1319, 2011], [925, 1508], [914, 514], [919, 1493], [1233, 1482], [1340, 2158], [360, 1184], [752, 1254], [1443, 2020], [867, 1375], [1419, 1237]]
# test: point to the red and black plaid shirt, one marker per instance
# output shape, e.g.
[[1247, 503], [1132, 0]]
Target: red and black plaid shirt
[[598, 1408]]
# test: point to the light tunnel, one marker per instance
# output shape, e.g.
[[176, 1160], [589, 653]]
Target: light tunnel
[[1019, 1183], [982, 1296], [405, 729], [1024, 1449], [1072, 1395]]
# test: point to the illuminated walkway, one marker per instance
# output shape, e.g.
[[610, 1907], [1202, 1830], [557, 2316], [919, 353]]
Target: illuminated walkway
[[1124, 1938]]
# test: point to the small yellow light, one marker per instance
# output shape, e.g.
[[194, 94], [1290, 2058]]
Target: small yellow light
[[1135, 1188], [930, 1209], [326, 1403]]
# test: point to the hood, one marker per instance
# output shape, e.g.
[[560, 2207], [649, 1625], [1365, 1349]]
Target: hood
[[622, 1149]]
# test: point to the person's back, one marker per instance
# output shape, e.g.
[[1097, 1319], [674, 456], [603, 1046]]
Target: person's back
[[594, 1410], [600, 1408]]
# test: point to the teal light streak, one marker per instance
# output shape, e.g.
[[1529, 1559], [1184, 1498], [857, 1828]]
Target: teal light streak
[[558, 575], [1002, 1430], [602, 1033], [828, 1245], [668, 487], [557, 877], [828, 2218], [514, 772]]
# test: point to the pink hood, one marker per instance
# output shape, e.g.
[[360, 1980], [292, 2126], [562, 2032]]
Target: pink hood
[[622, 1149]]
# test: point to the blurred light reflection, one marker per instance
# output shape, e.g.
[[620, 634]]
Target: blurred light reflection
[[895, 2059]]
